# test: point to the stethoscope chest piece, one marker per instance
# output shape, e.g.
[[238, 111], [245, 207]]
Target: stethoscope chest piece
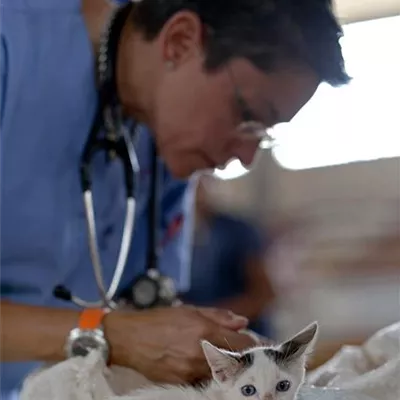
[[151, 290], [144, 291]]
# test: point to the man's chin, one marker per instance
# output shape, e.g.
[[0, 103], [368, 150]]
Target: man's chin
[[185, 172], [179, 171]]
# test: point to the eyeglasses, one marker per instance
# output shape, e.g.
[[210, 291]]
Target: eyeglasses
[[250, 126]]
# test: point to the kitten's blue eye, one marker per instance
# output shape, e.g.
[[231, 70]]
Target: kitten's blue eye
[[283, 386], [248, 390]]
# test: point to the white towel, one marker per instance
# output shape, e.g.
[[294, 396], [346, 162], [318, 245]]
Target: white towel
[[372, 369], [85, 378], [81, 378]]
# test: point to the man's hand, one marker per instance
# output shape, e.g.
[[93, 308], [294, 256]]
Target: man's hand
[[164, 344], [225, 318]]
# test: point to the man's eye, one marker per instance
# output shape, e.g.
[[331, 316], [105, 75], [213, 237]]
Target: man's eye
[[247, 115]]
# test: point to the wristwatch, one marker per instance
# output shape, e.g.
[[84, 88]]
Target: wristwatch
[[89, 335]]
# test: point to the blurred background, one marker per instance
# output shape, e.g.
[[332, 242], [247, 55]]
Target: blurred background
[[313, 232]]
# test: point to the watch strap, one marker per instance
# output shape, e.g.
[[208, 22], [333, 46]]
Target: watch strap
[[91, 318]]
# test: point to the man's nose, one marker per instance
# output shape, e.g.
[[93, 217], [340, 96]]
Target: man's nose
[[247, 151]]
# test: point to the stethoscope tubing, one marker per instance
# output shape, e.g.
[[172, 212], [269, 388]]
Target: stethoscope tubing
[[107, 295], [120, 147]]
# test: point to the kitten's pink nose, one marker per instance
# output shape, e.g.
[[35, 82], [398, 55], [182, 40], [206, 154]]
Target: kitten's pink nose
[[268, 396]]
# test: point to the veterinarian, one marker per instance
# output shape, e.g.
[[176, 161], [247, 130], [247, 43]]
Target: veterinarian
[[196, 82]]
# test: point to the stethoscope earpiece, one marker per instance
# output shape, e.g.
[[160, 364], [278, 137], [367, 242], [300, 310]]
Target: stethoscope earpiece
[[62, 293]]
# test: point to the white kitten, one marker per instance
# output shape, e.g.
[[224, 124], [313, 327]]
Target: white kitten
[[260, 373]]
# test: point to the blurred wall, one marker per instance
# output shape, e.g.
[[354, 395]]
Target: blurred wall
[[337, 257], [361, 10]]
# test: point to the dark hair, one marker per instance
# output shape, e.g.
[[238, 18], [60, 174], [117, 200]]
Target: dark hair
[[269, 33]]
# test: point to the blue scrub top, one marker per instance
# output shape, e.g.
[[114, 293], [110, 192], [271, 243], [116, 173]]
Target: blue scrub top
[[48, 99]]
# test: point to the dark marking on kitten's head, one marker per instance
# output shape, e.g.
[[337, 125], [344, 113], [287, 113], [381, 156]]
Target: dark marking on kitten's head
[[227, 365], [246, 359], [275, 355], [282, 357]]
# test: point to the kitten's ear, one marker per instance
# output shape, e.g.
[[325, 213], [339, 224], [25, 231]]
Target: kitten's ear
[[301, 344], [223, 364]]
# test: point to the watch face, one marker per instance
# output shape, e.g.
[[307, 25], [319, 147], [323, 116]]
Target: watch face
[[82, 345], [81, 342], [145, 292]]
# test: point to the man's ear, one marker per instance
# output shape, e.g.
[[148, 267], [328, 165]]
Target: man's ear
[[224, 365], [182, 37], [301, 344]]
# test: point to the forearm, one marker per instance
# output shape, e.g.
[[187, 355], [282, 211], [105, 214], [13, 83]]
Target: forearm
[[31, 333], [34, 333]]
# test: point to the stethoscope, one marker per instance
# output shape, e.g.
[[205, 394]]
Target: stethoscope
[[150, 288]]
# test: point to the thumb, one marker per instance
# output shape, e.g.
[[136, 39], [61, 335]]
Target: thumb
[[224, 318]]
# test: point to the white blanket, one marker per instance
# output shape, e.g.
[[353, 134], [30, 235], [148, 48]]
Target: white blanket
[[356, 373], [81, 378], [372, 369], [86, 378]]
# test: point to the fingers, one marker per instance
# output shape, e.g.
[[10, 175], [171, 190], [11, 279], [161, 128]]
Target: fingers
[[259, 339], [224, 318], [266, 342], [233, 341], [256, 337], [184, 372], [190, 371]]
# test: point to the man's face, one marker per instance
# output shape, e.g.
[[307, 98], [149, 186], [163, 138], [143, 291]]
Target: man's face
[[196, 113]]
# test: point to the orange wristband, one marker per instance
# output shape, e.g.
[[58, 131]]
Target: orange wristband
[[91, 318]]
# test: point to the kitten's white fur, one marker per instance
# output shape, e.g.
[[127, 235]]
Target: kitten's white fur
[[230, 375]]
